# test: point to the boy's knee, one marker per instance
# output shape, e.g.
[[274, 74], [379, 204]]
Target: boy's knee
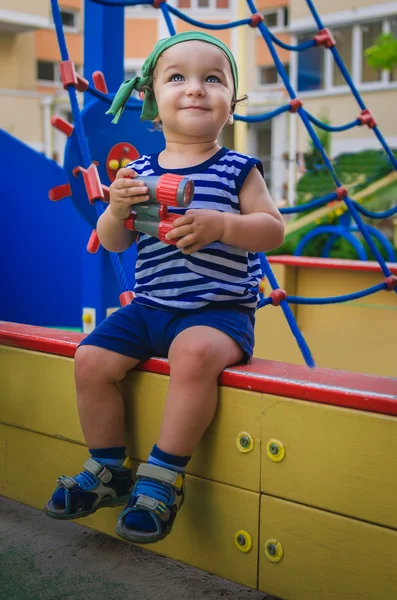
[[93, 364], [194, 359]]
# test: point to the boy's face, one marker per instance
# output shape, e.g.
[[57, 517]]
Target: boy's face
[[193, 86]]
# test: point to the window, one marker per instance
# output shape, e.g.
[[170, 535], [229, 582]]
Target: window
[[203, 4], [276, 18], [317, 69], [47, 71], [310, 66], [343, 38], [269, 75], [393, 30], [270, 19], [369, 33], [70, 19]]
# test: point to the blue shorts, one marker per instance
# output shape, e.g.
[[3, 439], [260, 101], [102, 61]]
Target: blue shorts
[[141, 331]]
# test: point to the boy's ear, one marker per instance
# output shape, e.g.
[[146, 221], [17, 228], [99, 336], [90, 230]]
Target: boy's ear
[[230, 119], [142, 95]]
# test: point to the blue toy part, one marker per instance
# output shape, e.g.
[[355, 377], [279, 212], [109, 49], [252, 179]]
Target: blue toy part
[[41, 242]]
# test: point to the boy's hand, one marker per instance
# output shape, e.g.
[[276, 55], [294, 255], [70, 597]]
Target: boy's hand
[[125, 191], [197, 228]]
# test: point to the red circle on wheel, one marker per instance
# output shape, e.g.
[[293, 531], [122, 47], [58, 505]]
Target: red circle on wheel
[[119, 152]]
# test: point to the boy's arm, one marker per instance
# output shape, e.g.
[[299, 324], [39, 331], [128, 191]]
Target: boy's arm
[[112, 233], [260, 226]]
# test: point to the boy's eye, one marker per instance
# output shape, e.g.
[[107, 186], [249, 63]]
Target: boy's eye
[[213, 79], [177, 77]]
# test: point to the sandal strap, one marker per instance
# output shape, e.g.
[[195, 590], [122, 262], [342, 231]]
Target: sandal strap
[[153, 505], [67, 482], [173, 478], [100, 471], [93, 467]]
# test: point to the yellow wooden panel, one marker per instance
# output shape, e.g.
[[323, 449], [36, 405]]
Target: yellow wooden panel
[[43, 400], [326, 556], [356, 336], [203, 535], [38, 393], [217, 457], [337, 459]]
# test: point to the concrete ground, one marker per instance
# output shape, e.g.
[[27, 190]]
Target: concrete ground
[[43, 559]]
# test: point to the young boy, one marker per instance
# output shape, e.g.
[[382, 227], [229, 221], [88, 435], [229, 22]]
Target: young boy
[[194, 302]]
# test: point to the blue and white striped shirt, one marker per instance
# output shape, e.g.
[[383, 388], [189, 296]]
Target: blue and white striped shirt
[[166, 278]]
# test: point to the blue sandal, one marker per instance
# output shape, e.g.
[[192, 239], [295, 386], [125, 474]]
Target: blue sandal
[[166, 489], [98, 486]]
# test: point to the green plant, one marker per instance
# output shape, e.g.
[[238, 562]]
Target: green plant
[[383, 54]]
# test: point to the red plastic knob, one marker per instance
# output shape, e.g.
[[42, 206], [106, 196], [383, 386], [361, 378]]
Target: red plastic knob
[[325, 38], [367, 118], [93, 243], [126, 298], [256, 19], [99, 81], [341, 192], [295, 104], [62, 125], [391, 282], [278, 296], [59, 192]]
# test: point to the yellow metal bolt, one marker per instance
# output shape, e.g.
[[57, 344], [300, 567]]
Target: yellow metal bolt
[[124, 162], [275, 450], [273, 550], [245, 442], [87, 318], [243, 540]]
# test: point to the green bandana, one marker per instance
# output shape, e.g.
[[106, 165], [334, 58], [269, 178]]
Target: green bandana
[[149, 109]]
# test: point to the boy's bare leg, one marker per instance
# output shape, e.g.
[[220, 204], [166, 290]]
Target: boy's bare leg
[[197, 357], [99, 400]]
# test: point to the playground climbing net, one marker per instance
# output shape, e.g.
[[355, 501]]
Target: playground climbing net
[[73, 82]]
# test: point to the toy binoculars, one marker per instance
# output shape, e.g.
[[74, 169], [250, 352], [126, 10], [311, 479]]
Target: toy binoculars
[[152, 217]]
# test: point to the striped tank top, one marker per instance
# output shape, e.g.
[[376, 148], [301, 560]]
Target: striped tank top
[[166, 278]]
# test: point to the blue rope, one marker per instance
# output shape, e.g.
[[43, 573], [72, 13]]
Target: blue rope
[[298, 48], [373, 215], [166, 14], [264, 116], [309, 205], [327, 127], [304, 348], [212, 26], [337, 299]]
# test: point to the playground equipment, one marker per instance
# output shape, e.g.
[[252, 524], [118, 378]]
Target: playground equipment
[[293, 489], [95, 192], [338, 208]]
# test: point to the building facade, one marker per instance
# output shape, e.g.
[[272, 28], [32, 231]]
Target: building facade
[[31, 92]]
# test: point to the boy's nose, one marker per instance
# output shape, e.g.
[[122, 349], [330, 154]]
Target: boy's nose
[[194, 87]]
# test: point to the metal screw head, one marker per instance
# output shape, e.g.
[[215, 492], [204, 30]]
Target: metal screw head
[[244, 441], [241, 540], [272, 549], [274, 449]]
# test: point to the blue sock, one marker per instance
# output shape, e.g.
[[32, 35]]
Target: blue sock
[[113, 457], [141, 519]]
